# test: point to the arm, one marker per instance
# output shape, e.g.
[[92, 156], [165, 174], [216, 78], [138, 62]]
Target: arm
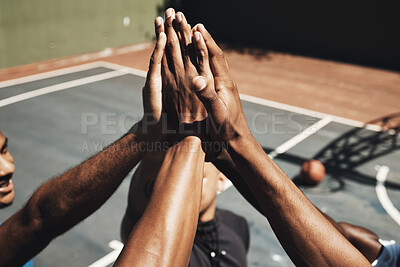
[[165, 233], [64, 201], [140, 190], [225, 165], [182, 107], [366, 241], [308, 238], [363, 239]]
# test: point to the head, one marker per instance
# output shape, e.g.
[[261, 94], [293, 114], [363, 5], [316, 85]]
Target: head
[[6, 172], [213, 182]]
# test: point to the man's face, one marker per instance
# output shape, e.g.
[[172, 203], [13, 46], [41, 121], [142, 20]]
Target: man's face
[[6, 171], [213, 182]]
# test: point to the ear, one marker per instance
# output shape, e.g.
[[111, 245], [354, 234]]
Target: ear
[[221, 182]]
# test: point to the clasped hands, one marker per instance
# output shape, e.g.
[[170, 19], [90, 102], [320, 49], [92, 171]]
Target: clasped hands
[[189, 89]]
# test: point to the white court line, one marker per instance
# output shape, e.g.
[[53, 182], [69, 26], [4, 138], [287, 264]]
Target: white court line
[[110, 257], [293, 141], [59, 87], [307, 112], [268, 103], [50, 74], [117, 67], [300, 137], [383, 196]]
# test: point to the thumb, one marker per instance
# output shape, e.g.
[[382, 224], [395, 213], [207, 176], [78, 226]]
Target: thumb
[[206, 93]]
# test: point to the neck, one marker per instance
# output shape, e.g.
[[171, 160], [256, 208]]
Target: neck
[[209, 213]]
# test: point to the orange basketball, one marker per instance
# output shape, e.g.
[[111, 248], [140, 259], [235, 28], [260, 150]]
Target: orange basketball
[[312, 172]]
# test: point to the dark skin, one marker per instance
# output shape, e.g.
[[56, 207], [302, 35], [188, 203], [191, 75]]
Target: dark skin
[[366, 241], [307, 236], [165, 233], [67, 199]]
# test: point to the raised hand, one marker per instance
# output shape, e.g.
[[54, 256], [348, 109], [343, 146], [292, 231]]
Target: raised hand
[[305, 234], [152, 90], [220, 97], [178, 71]]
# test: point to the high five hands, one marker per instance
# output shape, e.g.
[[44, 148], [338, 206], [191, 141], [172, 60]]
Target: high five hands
[[197, 89], [189, 86]]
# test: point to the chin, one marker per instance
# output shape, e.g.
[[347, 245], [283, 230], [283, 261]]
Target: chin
[[7, 200]]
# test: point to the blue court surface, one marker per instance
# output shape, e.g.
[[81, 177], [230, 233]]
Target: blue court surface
[[56, 120]]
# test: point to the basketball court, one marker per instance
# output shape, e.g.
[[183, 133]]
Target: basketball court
[[56, 119]]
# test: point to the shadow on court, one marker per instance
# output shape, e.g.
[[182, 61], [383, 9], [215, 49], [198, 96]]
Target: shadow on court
[[356, 147]]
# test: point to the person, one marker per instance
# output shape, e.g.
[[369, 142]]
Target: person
[[377, 251], [62, 202], [306, 235], [164, 235], [7, 168], [222, 237]]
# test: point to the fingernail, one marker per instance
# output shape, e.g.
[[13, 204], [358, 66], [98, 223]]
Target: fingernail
[[200, 83], [200, 26], [158, 21], [197, 36], [169, 12], [178, 17]]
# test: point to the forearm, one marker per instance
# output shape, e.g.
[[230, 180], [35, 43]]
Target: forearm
[[165, 233], [308, 238], [225, 165], [72, 196], [62, 202]]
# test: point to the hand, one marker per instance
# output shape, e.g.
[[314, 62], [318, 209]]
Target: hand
[[152, 90], [178, 70], [220, 97]]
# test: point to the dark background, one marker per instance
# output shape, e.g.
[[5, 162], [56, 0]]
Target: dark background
[[360, 32]]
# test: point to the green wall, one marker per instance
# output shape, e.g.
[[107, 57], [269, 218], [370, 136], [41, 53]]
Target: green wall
[[36, 30]]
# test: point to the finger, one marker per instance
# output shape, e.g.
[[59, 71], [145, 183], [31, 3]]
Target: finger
[[173, 46], [201, 52], [184, 28], [207, 95], [152, 94], [217, 59], [156, 57], [185, 36], [159, 26]]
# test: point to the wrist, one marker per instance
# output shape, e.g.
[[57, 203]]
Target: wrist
[[146, 132], [243, 144]]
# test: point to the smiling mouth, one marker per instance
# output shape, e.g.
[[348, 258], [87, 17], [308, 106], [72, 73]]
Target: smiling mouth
[[6, 184]]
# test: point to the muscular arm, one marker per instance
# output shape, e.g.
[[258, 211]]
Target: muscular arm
[[62, 202], [363, 239], [225, 165], [165, 233], [307, 236], [366, 241]]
